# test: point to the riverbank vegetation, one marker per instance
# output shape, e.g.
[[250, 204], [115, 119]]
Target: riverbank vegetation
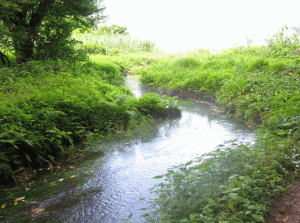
[[69, 90], [46, 106], [51, 110], [51, 106], [54, 99], [259, 85]]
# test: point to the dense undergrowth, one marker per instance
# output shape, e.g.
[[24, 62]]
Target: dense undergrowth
[[47, 107], [259, 85]]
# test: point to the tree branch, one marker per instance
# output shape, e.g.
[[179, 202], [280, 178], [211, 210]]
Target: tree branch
[[40, 14], [3, 57]]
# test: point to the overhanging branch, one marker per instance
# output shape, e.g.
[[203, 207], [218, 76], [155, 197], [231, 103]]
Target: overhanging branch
[[3, 57], [40, 14]]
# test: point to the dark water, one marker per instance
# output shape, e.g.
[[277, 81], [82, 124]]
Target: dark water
[[127, 173]]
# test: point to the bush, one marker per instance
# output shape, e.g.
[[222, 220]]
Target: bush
[[151, 104]]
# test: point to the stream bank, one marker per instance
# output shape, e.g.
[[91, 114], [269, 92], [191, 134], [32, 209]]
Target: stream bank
[[110, 188], [129, 168]]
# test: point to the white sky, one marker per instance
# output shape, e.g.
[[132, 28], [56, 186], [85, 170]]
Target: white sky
[[176, 25]]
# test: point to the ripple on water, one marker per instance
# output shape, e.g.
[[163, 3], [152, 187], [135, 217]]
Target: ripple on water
[[126, 177]]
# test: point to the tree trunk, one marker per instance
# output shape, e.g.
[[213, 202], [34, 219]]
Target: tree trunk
[[26, 24], [3, 58], [24, 48]]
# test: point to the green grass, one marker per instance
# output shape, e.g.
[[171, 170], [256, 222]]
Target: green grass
[[129, 63], [129, 54], [200, 77], [259, 85]]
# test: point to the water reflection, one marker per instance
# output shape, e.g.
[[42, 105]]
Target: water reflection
[[127, 175]]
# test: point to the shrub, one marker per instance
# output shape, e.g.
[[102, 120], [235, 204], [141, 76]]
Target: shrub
[[151, 104]]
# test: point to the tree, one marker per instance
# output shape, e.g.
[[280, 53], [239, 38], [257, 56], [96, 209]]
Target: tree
[[46, 24]]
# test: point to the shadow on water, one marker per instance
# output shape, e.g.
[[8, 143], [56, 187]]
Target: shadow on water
[[116, 182]]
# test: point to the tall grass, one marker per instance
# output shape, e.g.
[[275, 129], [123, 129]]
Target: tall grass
[[114, 44], [192, 76], [129, 63], [129, 54]]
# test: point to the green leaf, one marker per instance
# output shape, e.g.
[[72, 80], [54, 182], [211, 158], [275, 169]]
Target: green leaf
[[158, 177], [233, 196], [234, 189], [51, 157], [188, 163], [28, 157], [231, 206], [127, 218]]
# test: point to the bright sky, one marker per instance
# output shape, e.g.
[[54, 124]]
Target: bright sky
[[176, 25]]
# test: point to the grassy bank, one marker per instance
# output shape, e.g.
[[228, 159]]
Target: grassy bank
[[259, 85]]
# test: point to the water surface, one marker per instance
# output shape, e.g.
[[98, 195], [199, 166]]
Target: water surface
[[126, 175]]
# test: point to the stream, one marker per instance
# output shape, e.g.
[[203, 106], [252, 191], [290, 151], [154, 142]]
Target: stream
[[127, 172]]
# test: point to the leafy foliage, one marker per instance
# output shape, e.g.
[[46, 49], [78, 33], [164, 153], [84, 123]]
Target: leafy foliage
[[45, 25], [47, 107], [150, 104], [226, 185]]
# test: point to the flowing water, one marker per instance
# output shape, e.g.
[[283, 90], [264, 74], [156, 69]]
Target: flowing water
[[126, 174]]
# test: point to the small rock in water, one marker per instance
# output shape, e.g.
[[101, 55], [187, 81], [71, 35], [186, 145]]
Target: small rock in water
[[115, 153]]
